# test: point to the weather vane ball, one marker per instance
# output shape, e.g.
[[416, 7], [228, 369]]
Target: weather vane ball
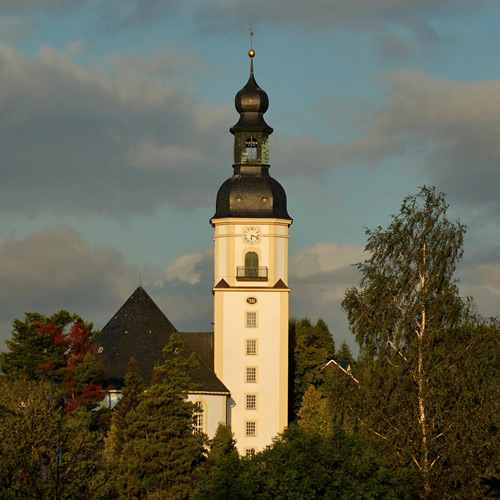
[[251, 53]]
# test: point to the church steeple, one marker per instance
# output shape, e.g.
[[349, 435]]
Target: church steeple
[[251, 191], [250, 280], [251, 132]]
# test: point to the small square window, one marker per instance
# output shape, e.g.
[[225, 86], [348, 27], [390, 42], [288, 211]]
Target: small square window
[[251, 374], [251, 319], [251, 401], [251, 428], [249, 452], [251, 347]]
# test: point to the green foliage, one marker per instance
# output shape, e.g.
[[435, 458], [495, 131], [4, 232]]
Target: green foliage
[[314, 413], [161, 453], [222, 469], [44, 452], [56, 348], [131, 394], [344, 353], [311, 346], [417, 391], [306, 465]]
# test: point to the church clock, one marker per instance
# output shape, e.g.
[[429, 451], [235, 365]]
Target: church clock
[[251, 235]]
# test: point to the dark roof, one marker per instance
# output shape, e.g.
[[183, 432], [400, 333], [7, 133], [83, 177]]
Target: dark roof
[[222, 284], [251, 102], [246, 195], [345, 364], [202, 344], [140, 330], [251, 191]]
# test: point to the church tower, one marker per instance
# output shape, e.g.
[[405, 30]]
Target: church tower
[[251, 293]]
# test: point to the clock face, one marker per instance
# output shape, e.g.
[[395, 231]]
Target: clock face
[[251, 235]]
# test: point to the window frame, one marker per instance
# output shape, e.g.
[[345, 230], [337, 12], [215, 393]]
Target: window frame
[[251, 323], [248, 425], [248, 397], [247, 380], [248, 351]]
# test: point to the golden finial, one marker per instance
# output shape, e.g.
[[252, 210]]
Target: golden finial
[[251, 52]]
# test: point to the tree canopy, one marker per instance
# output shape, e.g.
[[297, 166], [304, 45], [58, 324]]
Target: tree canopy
[[414, 388], [57, 348], [311, 346]]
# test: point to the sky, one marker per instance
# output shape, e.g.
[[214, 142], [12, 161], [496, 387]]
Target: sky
[[114, 134]]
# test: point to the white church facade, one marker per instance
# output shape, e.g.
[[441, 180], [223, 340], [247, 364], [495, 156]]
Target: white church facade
[[243, 374]]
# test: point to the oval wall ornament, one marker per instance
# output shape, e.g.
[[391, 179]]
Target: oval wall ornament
[[251, 300]]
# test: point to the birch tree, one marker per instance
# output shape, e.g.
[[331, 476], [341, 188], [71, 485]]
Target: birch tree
[[403, 315]]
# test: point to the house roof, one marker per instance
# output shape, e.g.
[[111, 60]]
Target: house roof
[[140, 330]]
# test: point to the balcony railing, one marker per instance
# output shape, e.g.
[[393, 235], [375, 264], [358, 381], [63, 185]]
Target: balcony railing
[[251, 273]]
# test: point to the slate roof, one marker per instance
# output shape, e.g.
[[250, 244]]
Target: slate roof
[[256, 196], [140, 330], [202, 344]]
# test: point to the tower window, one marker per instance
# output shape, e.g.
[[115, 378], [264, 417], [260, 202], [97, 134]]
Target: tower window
[[251, 150], [251, 347], [251, 401], [251, 319], [251, 374], [251, 428]]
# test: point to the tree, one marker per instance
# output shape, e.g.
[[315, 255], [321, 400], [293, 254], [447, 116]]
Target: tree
[[131, 396], [344, 353], [221, 472], [410, 323], [44, 452], [161, 452], [57, 348], [307, 465], [313, 414], [311, 346]]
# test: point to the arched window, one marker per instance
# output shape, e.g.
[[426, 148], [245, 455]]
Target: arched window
[[198, 417], [251, 149], [251, 264]]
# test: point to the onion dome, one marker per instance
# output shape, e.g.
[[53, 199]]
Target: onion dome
[[251, 102]]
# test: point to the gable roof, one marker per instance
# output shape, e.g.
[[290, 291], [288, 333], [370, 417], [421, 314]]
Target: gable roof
[[140, 330]]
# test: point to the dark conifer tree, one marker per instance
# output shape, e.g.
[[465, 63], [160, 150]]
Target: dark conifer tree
[[311, 346], [222, 469], [161, 453], [131, 395]]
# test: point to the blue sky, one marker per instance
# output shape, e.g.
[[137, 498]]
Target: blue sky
[[114, 139]]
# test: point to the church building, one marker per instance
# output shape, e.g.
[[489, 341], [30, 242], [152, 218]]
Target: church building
[[243, 374]]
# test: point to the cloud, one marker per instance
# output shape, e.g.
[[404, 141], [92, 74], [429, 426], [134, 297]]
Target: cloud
[[185, 292], [75, 139], [319, 277], [191, 266], [55, 269], [378, 16], [450, 127], [479, 276], [15, 28], [28, 6]]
